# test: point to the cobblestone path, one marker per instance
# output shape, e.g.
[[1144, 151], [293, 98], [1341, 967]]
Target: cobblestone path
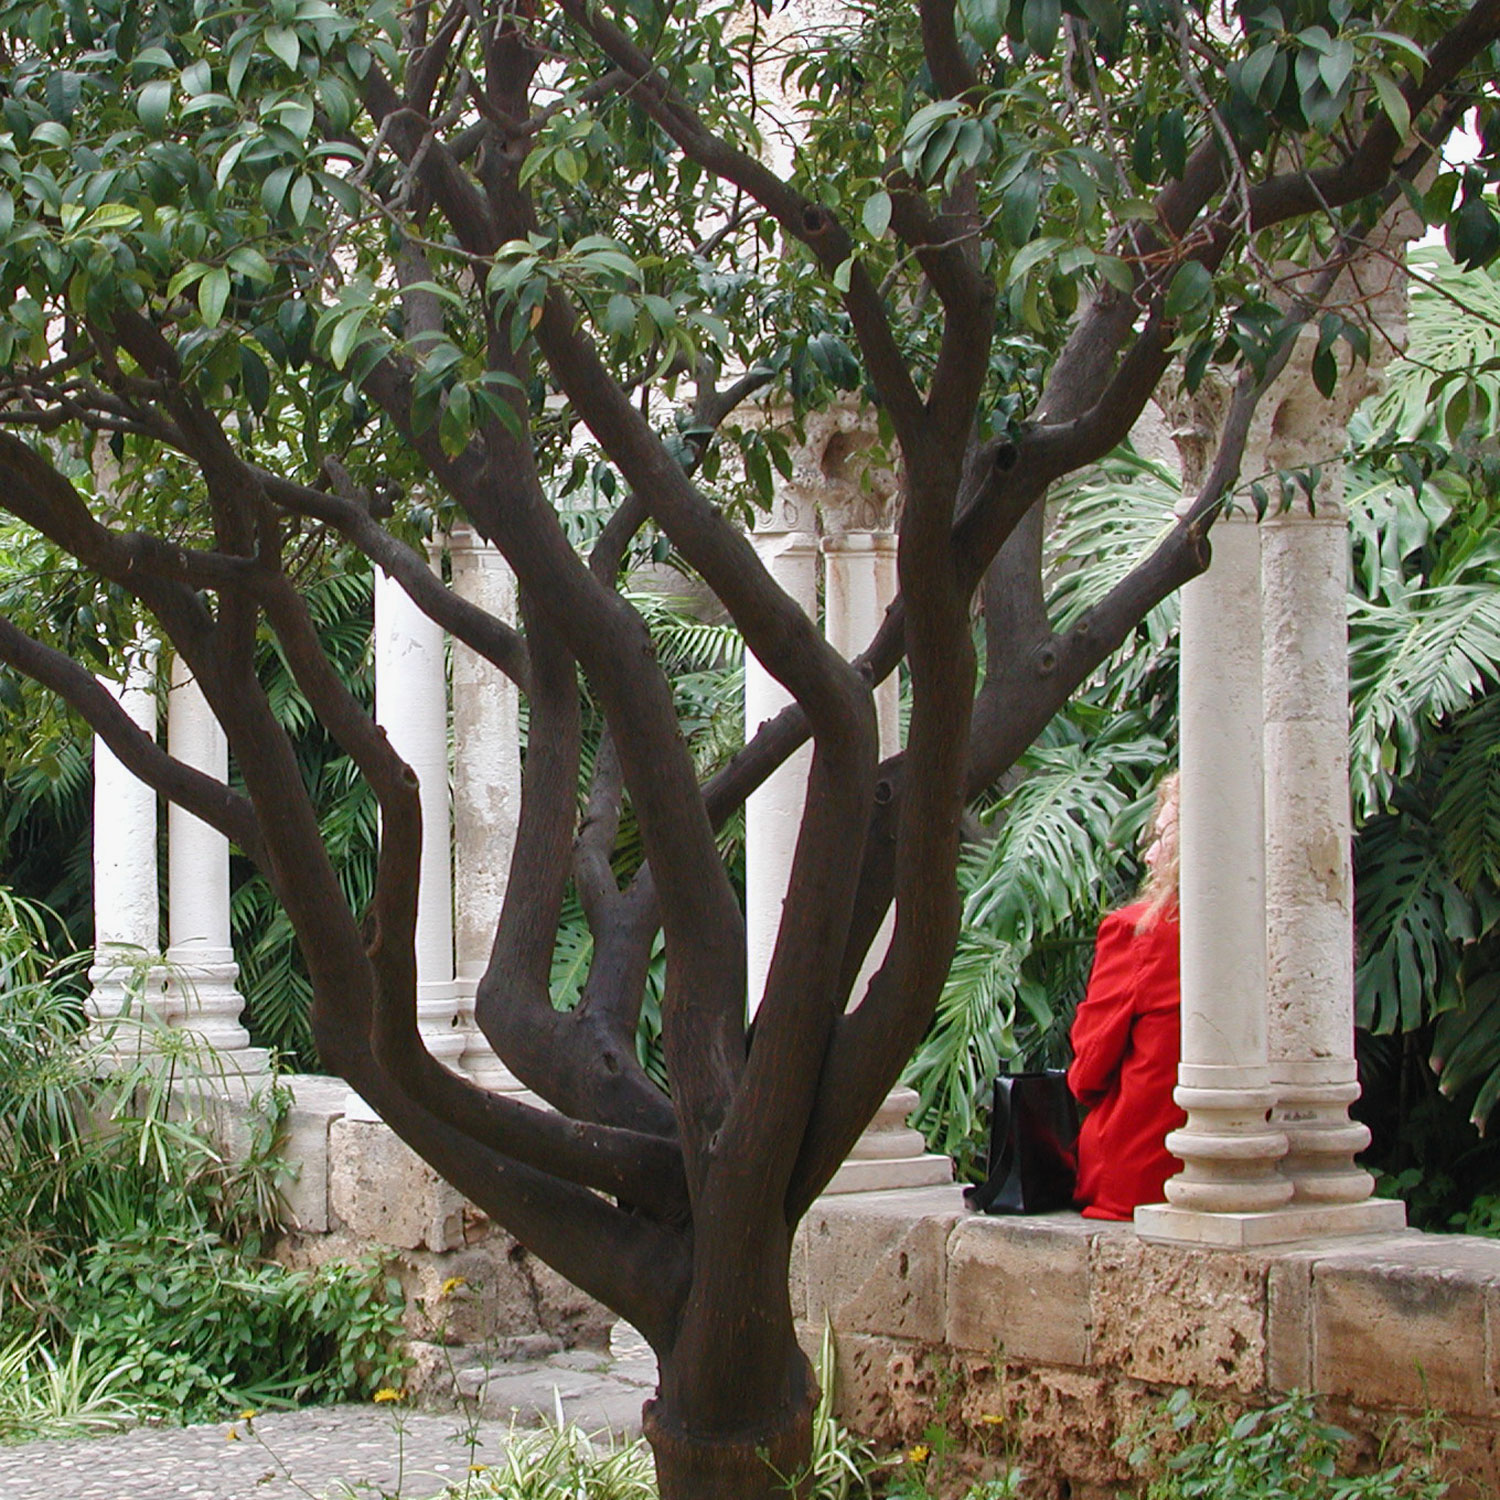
[[362, 1452]]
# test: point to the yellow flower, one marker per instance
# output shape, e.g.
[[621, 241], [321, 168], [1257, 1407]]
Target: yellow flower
[[247, 1416], [990, 1419], [387, 1393], [479, 1468], [918, 1454], [450, 1286], [231, 1436]]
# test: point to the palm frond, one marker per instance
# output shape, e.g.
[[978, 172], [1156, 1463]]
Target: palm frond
[[1413, 662], [1410, 916]]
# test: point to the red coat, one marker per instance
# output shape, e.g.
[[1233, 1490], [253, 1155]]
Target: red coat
[[1126, 1042]]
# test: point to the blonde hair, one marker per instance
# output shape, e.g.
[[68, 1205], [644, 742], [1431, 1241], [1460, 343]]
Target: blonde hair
[[1159, 891]]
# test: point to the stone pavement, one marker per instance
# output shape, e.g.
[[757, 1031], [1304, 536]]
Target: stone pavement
[[364, 1452]]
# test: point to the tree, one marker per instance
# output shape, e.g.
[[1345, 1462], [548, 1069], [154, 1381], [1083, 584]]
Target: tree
[[286, 279]]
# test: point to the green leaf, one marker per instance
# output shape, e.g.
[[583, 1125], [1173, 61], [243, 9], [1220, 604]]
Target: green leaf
[[300, 198], [1040, 20], [111, 216], [1473, 234], [153, 104], [213, 293], [283, 43], [1393, 102], [1191, 288], [985, 20], [876, 214], [273, 190]]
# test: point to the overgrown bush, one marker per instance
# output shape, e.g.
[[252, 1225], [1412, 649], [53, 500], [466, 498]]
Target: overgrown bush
[[131, 1262]]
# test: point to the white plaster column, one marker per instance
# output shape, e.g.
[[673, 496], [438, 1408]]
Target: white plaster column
[[1228, 1148], [787, 543], [411, 705], [1309, 875], [486, 793], [202, 973], [126, 975]]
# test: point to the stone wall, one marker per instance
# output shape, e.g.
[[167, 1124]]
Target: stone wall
[[1043, 1340], [358, 1188]]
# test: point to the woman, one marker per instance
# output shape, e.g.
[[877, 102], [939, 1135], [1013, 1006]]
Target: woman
[[1127, 1039]]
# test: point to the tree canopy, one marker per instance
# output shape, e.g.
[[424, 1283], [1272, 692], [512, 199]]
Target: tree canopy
[[286, 281]]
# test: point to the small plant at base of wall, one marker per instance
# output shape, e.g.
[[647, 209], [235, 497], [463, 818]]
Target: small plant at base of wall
[[1199, 1450]]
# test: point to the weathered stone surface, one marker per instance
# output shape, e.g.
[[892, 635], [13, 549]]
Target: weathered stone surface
[[1406, 1324], [1022, 1286], [886, 1389], [1178, 1316], [1289, 1326], [316, 1104], [1059, 1425], [877, 1262], [561, 1309], [383, 1191]]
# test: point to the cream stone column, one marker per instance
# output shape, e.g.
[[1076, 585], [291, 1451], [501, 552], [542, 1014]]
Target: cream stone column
[[126, 977], [1309, 876], [1228, 1148], [859, 585], [787, 543], [411, 705], [202, 973], [486, 794]]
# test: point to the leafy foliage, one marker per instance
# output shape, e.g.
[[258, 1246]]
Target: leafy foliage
[[130, 1274], [1197, 1451]]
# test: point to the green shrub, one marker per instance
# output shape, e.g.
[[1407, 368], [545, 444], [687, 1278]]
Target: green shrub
[[1195, 1450], [132, 1249]]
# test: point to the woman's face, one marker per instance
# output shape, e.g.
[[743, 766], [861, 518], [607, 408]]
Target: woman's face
[[1163, 848]]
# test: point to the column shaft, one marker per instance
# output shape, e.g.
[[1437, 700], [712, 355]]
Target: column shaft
[[1309, 877], [202, 973], [1228, 1149], [126, 975], [411, 705], [486, 793], [773, 813]]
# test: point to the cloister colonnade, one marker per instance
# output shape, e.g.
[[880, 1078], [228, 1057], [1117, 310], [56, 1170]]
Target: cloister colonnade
[[1268, 1064]]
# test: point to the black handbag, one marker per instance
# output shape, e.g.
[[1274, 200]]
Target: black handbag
[[1033, 1165]]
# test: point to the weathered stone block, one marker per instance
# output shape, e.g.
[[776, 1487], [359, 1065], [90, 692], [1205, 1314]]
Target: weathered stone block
[[877, 1262], [1178, 1316], [316, 1104], [887, 1389], [1289, 1324], [1406, 1324], [1022, 1286], [1059, 1425], [383, 1191]]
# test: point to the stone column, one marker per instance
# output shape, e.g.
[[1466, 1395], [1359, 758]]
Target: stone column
[[1228, 1147], [411, 704], [486, 793], [859, 585], [126, 976], [202, 973], [787, 543], [1309, 876]]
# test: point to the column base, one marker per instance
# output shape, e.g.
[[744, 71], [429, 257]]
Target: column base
[[1162, 1223], [890, 1154]]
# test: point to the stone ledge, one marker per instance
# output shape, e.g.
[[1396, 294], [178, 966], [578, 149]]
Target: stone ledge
[[1379, 1326]]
